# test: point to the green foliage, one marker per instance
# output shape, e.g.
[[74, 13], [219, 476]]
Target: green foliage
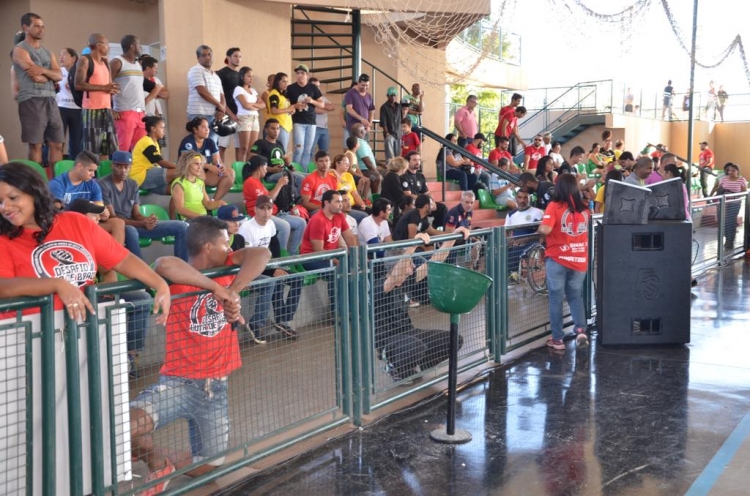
[[490, 100]]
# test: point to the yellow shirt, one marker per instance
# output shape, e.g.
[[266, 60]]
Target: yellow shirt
[[600, 196], [285, 120], [346, 183], [141, 164]]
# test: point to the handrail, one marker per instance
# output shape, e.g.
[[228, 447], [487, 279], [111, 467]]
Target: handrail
[[546, 108]]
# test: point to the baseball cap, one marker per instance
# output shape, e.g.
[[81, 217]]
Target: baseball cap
[[229, 212], [121, 157], [392, 91], [302, 67], [262, 201], [480, 136], [84, 207]]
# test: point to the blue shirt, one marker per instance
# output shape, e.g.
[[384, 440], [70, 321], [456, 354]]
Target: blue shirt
[[457, 217], [208, 150], [62, 189]]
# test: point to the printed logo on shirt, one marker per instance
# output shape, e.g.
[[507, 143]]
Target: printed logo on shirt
[[568, 224], [64, 260], [188, 146], [206, 318], [405, 184], [334, 235]]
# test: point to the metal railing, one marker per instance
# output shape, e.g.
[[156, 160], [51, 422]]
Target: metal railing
[[343, 365], [486, 37]]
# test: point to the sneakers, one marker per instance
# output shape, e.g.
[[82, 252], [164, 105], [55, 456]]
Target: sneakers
[[286, 331], [162, 486], [255, 336], [582, 339], [555, 344]]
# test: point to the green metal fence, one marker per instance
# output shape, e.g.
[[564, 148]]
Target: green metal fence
[[66, 402]]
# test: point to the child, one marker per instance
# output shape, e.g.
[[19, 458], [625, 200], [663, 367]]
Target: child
[[409, 139], [230, 215]]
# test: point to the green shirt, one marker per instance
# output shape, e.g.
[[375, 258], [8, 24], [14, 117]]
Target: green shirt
[[193, 194]]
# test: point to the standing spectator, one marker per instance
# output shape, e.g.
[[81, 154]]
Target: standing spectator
[[317, 183], [206, 98], [711, 102], [215, 173], [601, 194], [509, 128], [731, 182], [150, 170], [275, 154], [306, 97], [506, 117], [99, 134], [279, 108], [343, 116], [722, 97], [36, 72], [465, 121], [414, 103], [246, 100], [359, 106], [457, 167], [532, 153], [565, 227], [322, 137], [362, 181], [415, 184], [150, 67], [189, 190], [264, 96], [374, 229], [70, 113], [391, 114], [230, 80], [706, 162], [629, 98], [668, 100], [366, 157], [409, 139], [120, 196], [129, 104]]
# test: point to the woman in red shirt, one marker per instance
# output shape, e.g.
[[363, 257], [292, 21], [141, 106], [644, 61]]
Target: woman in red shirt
[[45, 251], [565, 225]]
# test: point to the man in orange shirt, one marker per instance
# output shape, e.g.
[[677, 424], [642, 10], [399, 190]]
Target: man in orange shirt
[[317, 183]]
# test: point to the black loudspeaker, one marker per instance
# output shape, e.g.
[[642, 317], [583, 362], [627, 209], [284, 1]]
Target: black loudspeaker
[[643, 283], [626, 203], [667, 200]]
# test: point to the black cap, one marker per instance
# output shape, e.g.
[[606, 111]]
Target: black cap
[[85, 207], [480, 136], [256, 162]]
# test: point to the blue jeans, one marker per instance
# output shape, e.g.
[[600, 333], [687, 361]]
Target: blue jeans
[[210, 119], [466, 180], [283, 138], [289, 229], [262, 308], [176, 228], [322, 139], [203, 402], [562, 281], [304, 139], [285, 308]]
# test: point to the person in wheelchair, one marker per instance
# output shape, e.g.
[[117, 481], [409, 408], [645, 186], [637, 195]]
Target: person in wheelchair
[[521, 239]]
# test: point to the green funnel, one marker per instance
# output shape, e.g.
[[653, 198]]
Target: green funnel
[[455, 290]]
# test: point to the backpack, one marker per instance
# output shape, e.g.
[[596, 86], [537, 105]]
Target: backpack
[[77, 94], [285, 199]]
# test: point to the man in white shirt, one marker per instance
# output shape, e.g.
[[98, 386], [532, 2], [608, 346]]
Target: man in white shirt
[[520, 239], [205, 93], [260, 231], [374, 229]]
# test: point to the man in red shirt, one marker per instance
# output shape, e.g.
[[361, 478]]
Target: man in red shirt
[[317, 183], [508, 124], [475, 147], [201, 351], [327, 230], [706, 161], [532, 154]]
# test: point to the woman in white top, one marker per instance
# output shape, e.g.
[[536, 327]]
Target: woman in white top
[[70, 113], [557, 158], [247, 112]]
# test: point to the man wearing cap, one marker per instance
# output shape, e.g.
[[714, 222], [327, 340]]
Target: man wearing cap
[[706, 161], [391, 113], [359, 106], [79, 183], [306, 97], [465, 121], [261, 232], [120, 196]]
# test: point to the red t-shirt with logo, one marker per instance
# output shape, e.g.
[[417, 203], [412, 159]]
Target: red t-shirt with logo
[[251, 190], [535, 153], [320, 227], [409, 143], [72, 250], [200, 342], [510, 112], [315, 186], [496, 155], [568, 242]]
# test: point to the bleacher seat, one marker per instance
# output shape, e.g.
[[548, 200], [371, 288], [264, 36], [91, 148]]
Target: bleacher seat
[[161, 214], [105, 168], [486, 201], [63, 166], [34, 166]]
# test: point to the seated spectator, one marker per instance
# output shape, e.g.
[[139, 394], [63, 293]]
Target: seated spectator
[[521, 239], [189, 191], [601, 194], [327, 230], [475, 148], [405, 205], [79, 183], [374, 228], [345, 183], [215, 174], [545, 169], [120, 196], [457, 168], [557, 158], [501, 151], [415, 221], [366, 157], [414, 183], [543, 189], [276, 156], [261, 232], [409, 139], [231, 215], [317, 183], [202, 350], [532, 153], [572, 165], [289, 225], [627, 162], [458, 218], [502, 189], [362, 182], [346, 209], [150, 170], [596, 160], [643, 168], [393, 184]]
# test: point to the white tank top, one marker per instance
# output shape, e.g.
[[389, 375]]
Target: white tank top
[[130, 79]]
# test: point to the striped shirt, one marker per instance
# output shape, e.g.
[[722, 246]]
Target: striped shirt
[[130, 79], [200, 76], [735, 186]]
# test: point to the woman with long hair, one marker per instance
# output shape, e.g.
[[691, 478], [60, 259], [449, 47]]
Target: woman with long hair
[[150, 170], [214, 172], [596, 163], [280, 107], [248, 106], [45, 251], [457, 168], [70, 113], [671, 171], [345, 183], [189, 190], [565, 226], [545, 169]]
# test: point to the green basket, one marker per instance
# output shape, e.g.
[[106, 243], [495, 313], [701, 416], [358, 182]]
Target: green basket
[[453, 289]]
